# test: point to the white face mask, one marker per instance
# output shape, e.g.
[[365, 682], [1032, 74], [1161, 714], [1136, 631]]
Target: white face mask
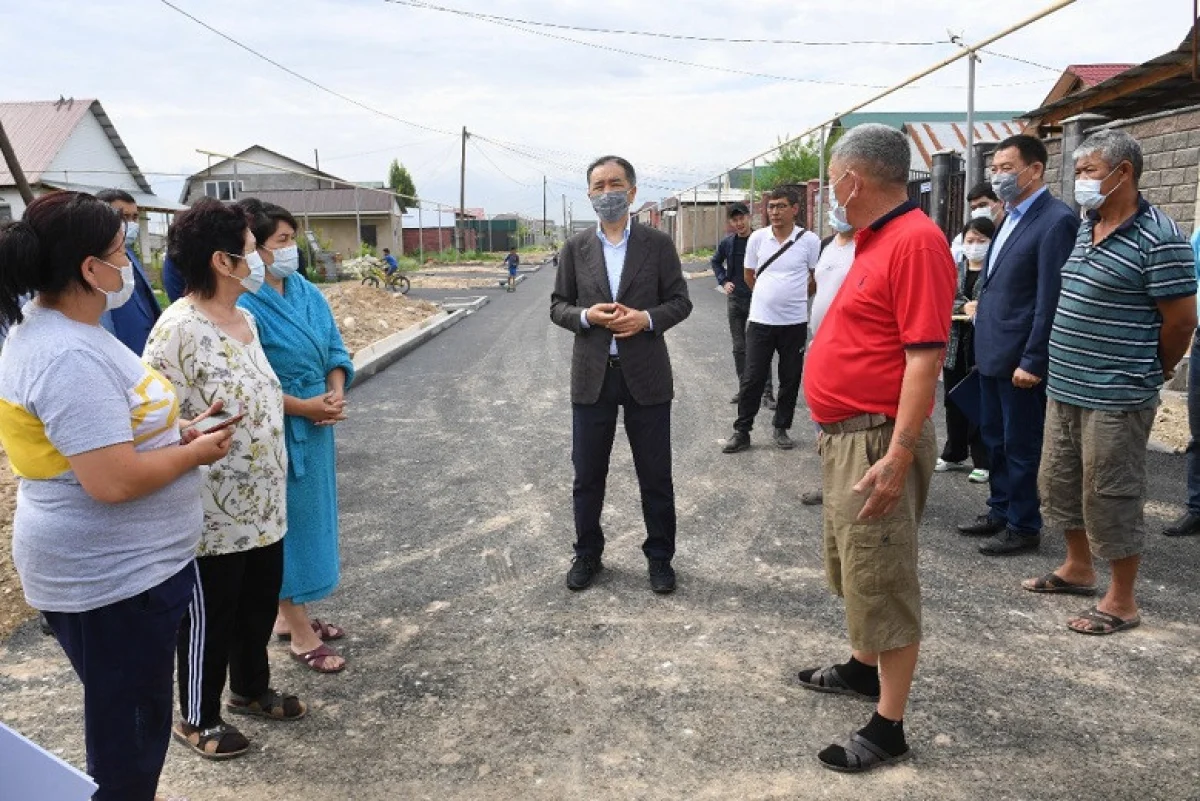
[[131, 233], [258, 271], [1088, 194], [837, 210], [117, 299], [287, 261], [982, 211], [975, 252]]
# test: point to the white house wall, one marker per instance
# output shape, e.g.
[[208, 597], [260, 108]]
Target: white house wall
[[88, 157]]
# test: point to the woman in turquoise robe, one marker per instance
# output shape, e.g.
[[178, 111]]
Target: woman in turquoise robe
[[305, 348]]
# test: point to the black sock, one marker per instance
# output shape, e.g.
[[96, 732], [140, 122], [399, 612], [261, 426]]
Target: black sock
[[885, 733], [859, 677]]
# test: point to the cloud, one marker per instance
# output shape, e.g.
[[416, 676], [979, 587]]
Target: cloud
[[171, 86]]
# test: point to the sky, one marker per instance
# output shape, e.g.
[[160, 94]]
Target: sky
[[535, 105]]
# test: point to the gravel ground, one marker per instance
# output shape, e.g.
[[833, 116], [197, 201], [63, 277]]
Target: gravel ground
[[474, 674]]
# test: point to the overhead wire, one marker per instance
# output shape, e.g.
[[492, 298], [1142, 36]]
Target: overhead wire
[[304, 78], [653, 34]]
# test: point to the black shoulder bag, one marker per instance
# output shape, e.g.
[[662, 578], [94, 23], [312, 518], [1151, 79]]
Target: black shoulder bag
[[778, 253]]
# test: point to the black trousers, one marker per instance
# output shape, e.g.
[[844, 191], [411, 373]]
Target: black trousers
[[739, 314], [962, 437], [762, 343], [226, 629], [122, 654], [648, 428]]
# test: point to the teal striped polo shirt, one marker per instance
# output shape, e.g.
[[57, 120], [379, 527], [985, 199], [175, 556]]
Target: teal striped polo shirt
[[1104, 342]]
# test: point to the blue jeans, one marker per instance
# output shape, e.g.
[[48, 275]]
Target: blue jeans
[[1011, 424], [1193, 449]]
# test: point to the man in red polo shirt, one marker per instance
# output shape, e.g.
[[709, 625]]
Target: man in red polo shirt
[[870, 383]]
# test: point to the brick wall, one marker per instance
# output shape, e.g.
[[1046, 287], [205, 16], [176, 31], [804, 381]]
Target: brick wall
[[1171, 154], [1171, 149]]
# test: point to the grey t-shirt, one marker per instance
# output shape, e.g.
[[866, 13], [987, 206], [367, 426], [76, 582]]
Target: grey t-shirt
[[831, 270], [68, 388]]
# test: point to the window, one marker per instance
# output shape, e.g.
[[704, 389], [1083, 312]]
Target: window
[[223, 190]]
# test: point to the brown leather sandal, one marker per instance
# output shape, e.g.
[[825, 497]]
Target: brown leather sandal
[[219, 742], [271, 705]]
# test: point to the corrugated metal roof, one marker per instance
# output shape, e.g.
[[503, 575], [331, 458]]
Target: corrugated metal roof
[[327, 201], [38, 130], [898, 119], [1092, 74], [928, 138]]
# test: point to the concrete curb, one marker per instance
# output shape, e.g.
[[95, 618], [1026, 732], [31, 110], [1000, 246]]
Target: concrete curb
[[379, 355]]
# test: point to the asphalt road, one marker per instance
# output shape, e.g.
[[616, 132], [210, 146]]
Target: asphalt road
[[474, 673]]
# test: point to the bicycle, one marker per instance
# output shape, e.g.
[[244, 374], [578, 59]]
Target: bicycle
[[396, 282]]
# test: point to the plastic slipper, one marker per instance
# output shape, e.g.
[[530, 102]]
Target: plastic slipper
[[316, 659], [1101, 623], [326, 631], [827, 680], [1054, 583]]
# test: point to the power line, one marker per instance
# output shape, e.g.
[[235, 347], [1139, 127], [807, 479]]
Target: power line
[[1055, 70], [488, 159], [306, 79], [520, 26], [654, 34]]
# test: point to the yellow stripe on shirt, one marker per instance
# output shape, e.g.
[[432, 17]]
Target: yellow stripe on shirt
[[29, 449]]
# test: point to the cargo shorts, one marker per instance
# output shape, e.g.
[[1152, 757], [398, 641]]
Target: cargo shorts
[[1093, 476], [873, 564]]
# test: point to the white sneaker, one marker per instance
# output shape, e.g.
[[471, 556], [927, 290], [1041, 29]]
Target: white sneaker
[[979, 476], [943, 466]]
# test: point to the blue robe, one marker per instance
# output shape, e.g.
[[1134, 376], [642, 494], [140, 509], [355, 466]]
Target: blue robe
[[303, 345]]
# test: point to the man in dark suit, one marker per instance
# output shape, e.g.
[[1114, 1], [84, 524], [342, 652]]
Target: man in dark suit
[[131, 323], [1016, 309], [619, 289]]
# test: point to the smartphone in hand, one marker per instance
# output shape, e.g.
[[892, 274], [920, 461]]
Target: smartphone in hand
[[217, 421]]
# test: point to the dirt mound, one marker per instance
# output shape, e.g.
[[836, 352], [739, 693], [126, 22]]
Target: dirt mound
[[365, 314]]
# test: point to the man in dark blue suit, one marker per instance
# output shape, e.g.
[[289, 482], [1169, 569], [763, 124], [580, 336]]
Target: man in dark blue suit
[[1012, 334], [131, 323]]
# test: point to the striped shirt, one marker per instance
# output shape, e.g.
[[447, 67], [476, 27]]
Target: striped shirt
[[1104, 343]]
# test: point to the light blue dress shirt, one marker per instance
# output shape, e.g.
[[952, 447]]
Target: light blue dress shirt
[[614, 264], [1012, 218], [1196, 251]]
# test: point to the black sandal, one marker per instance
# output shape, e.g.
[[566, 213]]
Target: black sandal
[[219, 742], [863, 755], [271, 705], [828, 680]]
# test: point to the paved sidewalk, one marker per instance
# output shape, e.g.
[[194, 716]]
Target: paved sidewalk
[[474, 674]]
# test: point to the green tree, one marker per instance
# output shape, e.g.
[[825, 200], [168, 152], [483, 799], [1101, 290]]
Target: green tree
[[798, 161], [399, 180]]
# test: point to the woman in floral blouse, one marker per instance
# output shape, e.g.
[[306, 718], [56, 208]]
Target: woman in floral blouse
[[209, 349]]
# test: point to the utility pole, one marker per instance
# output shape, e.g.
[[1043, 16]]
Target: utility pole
[[545, 218], [10, 158], [317, 164], [460, 228], [566, 228], [971, 59]]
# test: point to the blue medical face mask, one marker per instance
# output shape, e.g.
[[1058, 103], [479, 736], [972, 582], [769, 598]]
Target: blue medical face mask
[[837, 209], [287, 261], [1007, 185], [837, 223]]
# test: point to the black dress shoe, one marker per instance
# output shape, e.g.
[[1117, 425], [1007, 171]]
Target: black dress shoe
[[782, 440], [740, 441], [768, 401], [735, 399], [1186, 526], [583, 571], [984, 526], [1010, 542], [662, 576], [814, 498]]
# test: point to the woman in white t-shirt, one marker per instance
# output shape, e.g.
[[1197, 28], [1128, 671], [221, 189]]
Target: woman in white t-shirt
[[108, 505]]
